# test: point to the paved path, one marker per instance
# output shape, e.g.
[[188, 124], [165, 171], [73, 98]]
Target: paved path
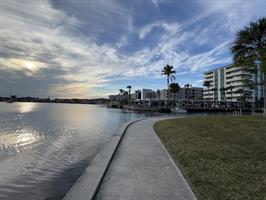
[[143, 170]]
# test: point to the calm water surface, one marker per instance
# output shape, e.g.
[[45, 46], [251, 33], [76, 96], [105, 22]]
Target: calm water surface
[[44, 148]]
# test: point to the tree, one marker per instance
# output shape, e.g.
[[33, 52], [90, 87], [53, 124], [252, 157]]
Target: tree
[[169, 72], [207, 84], [174, 88], [249, 50], [187, 86], [125, 93], [158, 93], [121, 91], [129, 90]]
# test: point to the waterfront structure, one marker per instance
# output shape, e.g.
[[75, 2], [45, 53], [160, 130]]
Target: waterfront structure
[[185, 93], [118, 97], [135, 96], [148, 94], [191, 93], [228, 83]]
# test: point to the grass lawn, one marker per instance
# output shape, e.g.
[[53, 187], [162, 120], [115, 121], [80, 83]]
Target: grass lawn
[[222, 158]]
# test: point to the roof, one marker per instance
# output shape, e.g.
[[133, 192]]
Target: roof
[[217, 68]]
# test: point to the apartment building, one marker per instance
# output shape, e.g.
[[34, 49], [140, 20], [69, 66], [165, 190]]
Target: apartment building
[[148, 94], [185, 93], [228, 83]]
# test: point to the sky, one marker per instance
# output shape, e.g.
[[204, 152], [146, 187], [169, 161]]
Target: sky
[[93, 48]]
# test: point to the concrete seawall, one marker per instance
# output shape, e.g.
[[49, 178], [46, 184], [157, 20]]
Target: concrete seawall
[[86, 186], [134, 164]]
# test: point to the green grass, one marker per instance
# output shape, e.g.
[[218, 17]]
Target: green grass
[[222, 158]]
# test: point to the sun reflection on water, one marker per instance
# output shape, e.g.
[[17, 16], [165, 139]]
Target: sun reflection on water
[[26, 107], [22, 138]]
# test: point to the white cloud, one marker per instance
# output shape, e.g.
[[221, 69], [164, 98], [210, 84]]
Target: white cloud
[[169, 28], [155, 3], [46, 42], [35, 36], [235, 14], [123, 41]]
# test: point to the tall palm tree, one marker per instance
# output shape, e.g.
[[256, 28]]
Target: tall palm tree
[[187, 87], [129, 87], [120, 93], [158, 93], [169, 72], [249, 49], [207, 84]]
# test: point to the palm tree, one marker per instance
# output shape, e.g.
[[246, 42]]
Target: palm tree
[[124, 99], [187, 86], [207, 84], [158, 94], [129, 90], [169, 72], [120, 93], [125, 93], [174, 88], [249, 50]]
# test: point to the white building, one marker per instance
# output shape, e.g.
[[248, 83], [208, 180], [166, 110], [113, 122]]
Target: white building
[[147, 94], [136, 95], [228, 83], [191, 93]]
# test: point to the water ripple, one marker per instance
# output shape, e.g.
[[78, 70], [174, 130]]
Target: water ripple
[[44, 148]]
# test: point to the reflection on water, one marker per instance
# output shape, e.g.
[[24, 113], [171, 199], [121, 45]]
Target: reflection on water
[[21, 138], [26, 107], [44, 148]]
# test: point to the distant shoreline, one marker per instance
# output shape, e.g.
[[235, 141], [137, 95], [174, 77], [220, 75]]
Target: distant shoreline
[[65, 101]]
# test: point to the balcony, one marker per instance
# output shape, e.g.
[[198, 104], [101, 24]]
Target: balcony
[[235, 73], [231, 69], [209, 75]]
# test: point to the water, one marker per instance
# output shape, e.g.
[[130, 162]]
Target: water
[[44, 148]]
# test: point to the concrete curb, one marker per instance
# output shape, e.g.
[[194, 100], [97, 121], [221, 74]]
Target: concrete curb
[[87, 185], [173, 162], [144, 173]]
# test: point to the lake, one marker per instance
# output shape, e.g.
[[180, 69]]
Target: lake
[[45, 147]]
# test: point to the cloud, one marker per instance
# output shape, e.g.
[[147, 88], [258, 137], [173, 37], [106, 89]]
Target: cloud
[[169, 28], [235, 14], [155, 3], [123, 41], [29, 67], [69, 49], [36, 36]]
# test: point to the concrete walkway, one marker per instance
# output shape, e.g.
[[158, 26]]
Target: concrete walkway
[[143, 170]]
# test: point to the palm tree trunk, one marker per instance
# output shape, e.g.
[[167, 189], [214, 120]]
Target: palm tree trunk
[[167, 90], [264, 96], [129, 96]]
